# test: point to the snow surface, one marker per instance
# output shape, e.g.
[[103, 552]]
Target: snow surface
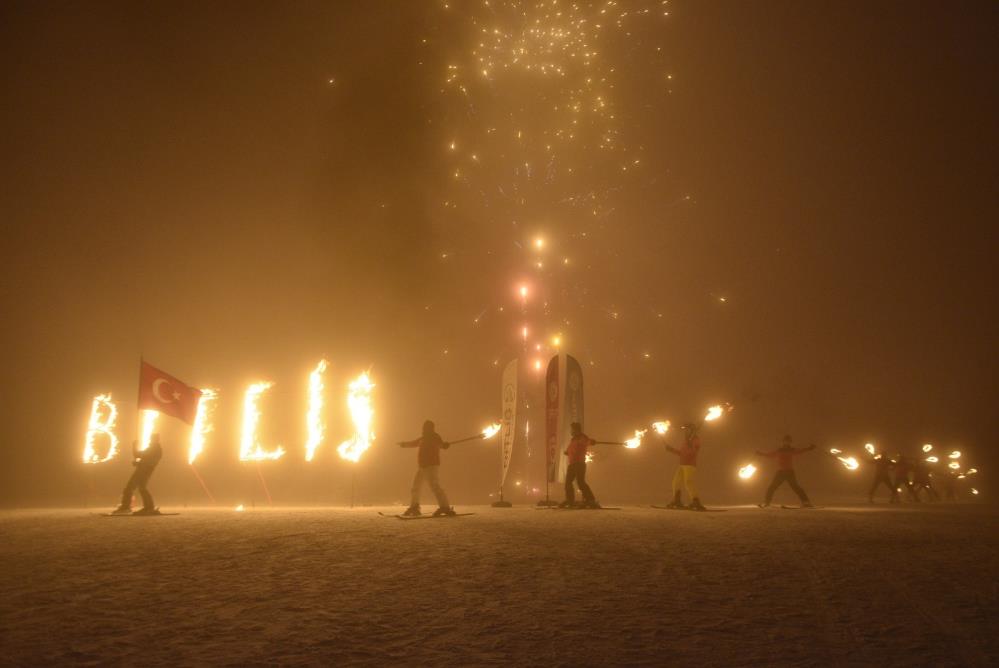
[[834, 586]]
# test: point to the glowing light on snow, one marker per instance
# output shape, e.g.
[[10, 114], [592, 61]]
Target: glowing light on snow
[[955, 455], [103, 415], [927, 447], [491, 430], [148, 424], [635, 440], [314, 418], [203, 424], [361, 413], [249, 446], [870, 448], [661, 426], [747, 471]]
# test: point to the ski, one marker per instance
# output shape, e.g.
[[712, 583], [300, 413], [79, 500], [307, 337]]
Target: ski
[[581, 508], [134, 515], [706, 510], [799, 507], [431, 516]]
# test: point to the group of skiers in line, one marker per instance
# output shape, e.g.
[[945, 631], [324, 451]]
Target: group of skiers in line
[[910, 474]]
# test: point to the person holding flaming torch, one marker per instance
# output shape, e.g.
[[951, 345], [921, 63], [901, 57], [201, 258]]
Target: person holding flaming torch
[[882, 476], [576, 472], [903, 466], [785, 455], [686, 468], [922, 479], [145, 462], [428, 468]]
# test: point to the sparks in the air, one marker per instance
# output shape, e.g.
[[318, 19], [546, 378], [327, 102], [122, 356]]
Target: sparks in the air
[[850, 463], [250, 448], [103, 415], [314, 417], [955, 454], [870, 448], [203, 423], [362, 415]]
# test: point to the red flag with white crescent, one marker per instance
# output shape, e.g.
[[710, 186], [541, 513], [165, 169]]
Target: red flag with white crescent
[[159, 391]]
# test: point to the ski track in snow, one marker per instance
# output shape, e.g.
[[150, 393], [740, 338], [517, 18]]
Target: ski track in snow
[[312, 586]]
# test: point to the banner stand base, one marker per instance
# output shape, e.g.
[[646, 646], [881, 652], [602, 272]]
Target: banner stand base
[[547, 503], [502, 504]]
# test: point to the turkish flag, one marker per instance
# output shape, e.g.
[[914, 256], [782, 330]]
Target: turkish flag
[[162, 392]]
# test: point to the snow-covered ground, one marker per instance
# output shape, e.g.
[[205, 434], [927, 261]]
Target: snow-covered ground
[[834, 586]]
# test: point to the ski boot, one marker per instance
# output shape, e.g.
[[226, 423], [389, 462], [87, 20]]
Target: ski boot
[[592, 505], [147, 511], [765, 504], [412, 511], [807, 504], [442, 511], [697, 505], [676, 502], [567, 504], [122, 510]]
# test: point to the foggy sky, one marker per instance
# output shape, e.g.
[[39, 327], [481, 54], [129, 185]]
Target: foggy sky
[[182, 182]]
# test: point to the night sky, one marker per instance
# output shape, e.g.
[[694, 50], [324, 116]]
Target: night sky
[[234, 190]]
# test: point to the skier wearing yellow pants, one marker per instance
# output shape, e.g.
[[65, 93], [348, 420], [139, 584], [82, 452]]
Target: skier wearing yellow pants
[[686, 472]]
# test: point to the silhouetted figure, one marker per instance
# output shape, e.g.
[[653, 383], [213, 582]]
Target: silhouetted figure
[[950, 486], [686, 470], [428, 470], [903, 466], [882, 476], [145, 462], [785, 455], [576, 472], [922, 479]]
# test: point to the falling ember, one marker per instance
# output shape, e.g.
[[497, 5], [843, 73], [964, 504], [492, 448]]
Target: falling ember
[[361, 413], [635, 440], [747, 471], [850, 463], [870, 448], [491, 430], [927, 447], [955, 455], [314, 418], [148, 424], [103, 414], [249, 447], [202, 423], [661, 426]]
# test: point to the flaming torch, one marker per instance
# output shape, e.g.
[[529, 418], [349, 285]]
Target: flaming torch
[[361, 413], [314, 419], [103, 414], [488, 432], [927, 447], [249, 447], [635, 440], [715, 412], [747, 471], [870, 449], [661, 426]]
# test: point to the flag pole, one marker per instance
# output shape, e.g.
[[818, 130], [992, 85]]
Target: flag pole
[[203, 485]]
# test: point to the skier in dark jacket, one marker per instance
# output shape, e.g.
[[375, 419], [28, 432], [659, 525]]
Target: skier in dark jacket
[[903, 466], [428, 469], [923, 479], [785, 455], [576, 471], [145, 462], [882, 476]]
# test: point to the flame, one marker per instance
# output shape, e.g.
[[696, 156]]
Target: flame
[[955, 455], [103, 414], [747, 471], [972, 471], [850, 463], [359, 402], [932, 459], [835, 451], [148, 424], [491, 430], [202, 423], [714, 413], [249, 447], [974, 491], [589, 457], [954, 465], [927, 447], [314, 417], [661, 426], [636, 440], [870, 448]]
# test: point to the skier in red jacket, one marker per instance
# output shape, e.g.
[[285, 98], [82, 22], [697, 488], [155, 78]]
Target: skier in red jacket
[[686, 468], [576, 452], [785, 455]]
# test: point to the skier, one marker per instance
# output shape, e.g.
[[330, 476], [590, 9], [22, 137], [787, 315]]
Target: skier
[[576, 471], [785, 455], [882, 475], [428, 468], [902, 468], [686, 468], [922, 479], [145, 462]]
